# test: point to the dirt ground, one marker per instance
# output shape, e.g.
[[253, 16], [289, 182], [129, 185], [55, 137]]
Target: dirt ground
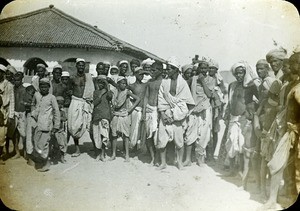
[[84, 184]]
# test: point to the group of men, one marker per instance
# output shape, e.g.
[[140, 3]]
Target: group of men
[[148, 105]]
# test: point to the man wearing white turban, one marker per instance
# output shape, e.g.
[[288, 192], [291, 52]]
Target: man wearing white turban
[[80, 110], [173, 99], [275, 58], [239, 113]]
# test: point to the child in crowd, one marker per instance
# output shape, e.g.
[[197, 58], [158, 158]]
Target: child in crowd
[[120, 124], [60, 138], [101, 116], [47, 116]]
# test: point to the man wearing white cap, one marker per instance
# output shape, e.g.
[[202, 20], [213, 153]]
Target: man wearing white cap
[[80, 110], [173, 99], [199, 122], [47, 116], [275, 58], [7, 107], [123, 67], [40, 73], [10, 73]]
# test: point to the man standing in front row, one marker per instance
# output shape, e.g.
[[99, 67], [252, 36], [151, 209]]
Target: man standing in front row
[[7, 106], [80, 110], [173, 99]]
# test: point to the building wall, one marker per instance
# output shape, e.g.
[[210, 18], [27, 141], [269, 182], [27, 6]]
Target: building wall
[[17, 56]]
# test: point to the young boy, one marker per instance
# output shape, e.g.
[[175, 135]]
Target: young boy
[[47, 116], [138, 88], [101, 116], [120, 124], [28, 101], [20, 115], [61, 135]]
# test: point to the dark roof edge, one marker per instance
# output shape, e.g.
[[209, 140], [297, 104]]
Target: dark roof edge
[[118, 43]]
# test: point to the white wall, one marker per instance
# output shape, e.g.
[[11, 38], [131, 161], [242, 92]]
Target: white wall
[[18, 56]]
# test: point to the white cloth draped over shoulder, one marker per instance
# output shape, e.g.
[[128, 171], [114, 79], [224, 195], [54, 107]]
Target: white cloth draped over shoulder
[[80, 110]]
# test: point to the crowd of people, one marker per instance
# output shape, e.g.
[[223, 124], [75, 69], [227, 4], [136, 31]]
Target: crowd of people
[[149, 104]]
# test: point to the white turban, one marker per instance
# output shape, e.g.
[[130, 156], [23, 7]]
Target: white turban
[[173, 61], [276, 53], [250, 75], [213, 63], [3, 68], [11, 69], [65, 73], [148, 62], [123, 62], [58, 66], [186, 67], [41, 65], [79, 60], [107, 62], [120, 78]]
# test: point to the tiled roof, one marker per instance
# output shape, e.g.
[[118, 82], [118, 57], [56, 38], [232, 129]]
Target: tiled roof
[[50, 27]]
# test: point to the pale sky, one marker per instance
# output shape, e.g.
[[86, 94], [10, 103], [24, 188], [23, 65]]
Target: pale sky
[[226, 31]]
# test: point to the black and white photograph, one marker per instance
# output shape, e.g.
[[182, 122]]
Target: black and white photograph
[[149, 105]]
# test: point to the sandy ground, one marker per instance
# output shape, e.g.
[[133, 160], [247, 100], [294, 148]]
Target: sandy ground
[[84, 184]]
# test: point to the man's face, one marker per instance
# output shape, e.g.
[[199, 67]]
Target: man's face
[[188, 74], [239, 74], [100, 70], [276, 64], [44, 88], [203, 68], [60, 104], [133, 66], [123, 69], [106, 67], [101, 84], [57, 74], [139, 77], [164, 73], [286, 68], [262, 71], [80, 67], [65, 80], [18, 81], [114, 71], [212, 71], [122, 84], [147, 67], [172, 71], [294, 63], [9, 76], [2, 74], [41, 72]]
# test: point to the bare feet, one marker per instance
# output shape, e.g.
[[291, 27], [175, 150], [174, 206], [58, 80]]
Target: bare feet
[[62, 159], [2, 162], [102, 158], [76, 154], [151, 163], [30, 162], [161, 167], [16, 156], [187, 163], [45, 168], [180, 166], [112, 158], [126, 159]]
